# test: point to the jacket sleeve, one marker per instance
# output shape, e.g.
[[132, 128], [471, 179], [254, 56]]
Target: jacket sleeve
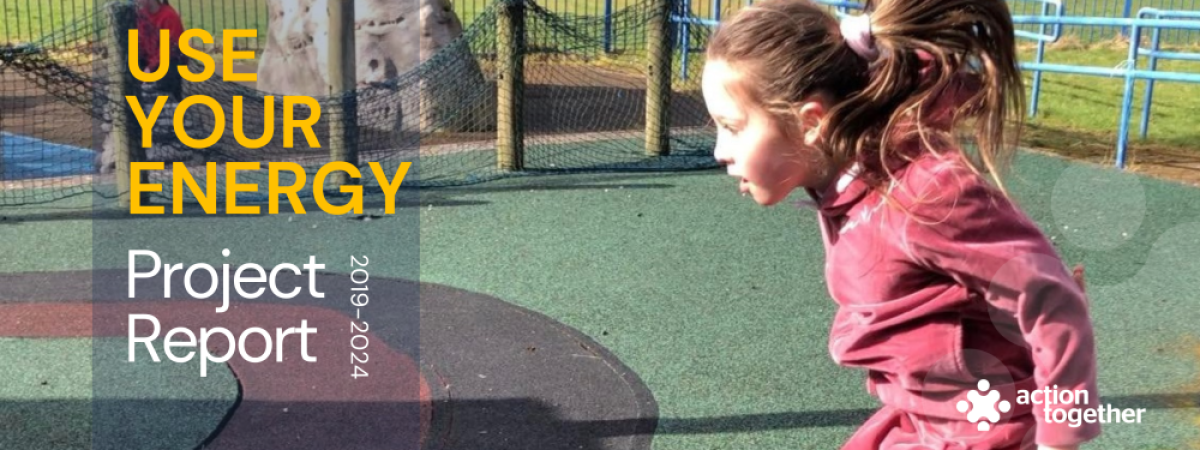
[[147, 44], [962, 227]]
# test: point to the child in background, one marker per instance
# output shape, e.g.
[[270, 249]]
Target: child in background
[[154, 16], [940, 280]]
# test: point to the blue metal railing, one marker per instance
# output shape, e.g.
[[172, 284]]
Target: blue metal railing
[[1049, 25], [714, 9], [1128, 69], [1155, 53], [26, 20], [1042, 39]]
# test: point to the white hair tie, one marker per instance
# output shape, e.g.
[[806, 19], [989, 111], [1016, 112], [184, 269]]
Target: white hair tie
[[856, 30]]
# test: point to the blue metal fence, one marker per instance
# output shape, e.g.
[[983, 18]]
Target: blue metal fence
[[715, 9], [25, 20], [1151, 19], [1051, 23], [1111, 8], [1155, 53]]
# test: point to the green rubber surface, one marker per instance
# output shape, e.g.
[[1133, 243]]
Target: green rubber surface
[[718, 304], [51, 400]]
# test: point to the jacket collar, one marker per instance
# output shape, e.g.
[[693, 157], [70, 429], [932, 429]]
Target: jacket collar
[[841, 195]]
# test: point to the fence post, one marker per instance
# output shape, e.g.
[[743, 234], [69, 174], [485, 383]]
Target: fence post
[[1128, 10], [1148, 96], [658, 79], [1036, 91], [343, 81], [685, 36], [608, 26], [1127, 99], [121, 85], [510, 85]]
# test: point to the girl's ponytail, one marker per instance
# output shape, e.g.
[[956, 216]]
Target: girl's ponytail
[[934, 64]]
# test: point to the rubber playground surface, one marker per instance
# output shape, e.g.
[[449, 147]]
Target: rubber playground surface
[[622, 311]]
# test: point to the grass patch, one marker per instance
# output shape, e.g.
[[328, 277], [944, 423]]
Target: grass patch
[[31, 20], [217, 15], [1079, 115], [27, 20]]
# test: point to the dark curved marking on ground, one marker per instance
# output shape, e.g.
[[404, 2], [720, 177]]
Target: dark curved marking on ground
[[499, 376], [281, 404]]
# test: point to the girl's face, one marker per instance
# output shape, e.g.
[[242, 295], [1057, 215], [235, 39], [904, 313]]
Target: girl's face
[[147, 4], [755, 148]]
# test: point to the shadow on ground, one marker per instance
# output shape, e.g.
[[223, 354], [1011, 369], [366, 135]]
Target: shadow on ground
[[458, 424]]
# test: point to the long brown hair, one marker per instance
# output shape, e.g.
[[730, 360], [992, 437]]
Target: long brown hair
[[940, 64]]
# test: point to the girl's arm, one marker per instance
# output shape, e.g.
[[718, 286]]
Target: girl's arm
[[1077, 274], [977, 237]]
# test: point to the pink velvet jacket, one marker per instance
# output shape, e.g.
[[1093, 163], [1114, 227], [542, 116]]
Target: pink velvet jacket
[[963, 286]]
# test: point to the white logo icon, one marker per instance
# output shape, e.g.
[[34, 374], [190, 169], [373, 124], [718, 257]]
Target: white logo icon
[[983, 406]]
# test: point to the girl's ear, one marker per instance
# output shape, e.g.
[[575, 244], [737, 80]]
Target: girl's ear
[[811, 116]]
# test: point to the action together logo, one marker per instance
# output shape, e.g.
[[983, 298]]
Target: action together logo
[[984, 407]]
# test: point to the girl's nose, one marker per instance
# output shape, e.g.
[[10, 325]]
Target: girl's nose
[[722, 154]]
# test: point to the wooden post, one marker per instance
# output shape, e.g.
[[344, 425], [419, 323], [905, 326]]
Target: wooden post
[[658, 79], [343, 82], [510, 61], [121, 85]]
